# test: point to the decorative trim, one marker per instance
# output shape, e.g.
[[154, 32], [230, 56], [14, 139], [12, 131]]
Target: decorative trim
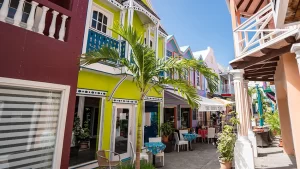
[[138, 7], [153, 99], [116, 4], [91, 92], [101, 124], [125, 101], [162, 34], [112, 131]]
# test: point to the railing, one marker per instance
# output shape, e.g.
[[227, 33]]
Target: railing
[[227, 89], [97, 39], [256, 31]]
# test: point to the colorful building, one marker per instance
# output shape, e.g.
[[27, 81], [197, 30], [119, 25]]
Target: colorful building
[[266, 36], [40, 43], [107, 99]]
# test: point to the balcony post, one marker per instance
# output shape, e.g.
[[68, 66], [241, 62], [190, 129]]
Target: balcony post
[[41, 25], [296, 49], [251, 134], [129, 22], [62, 31], [53, 24], [243, 153], [4, 10], [229, 83], [19, 13], [156, 39], [30, 20]]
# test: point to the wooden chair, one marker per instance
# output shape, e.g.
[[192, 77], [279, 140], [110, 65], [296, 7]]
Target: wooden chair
[[104, 162]]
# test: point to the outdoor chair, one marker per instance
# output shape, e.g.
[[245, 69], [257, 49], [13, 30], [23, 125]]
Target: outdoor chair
[[161, 155], [104, 162], [181, 132], [180, 142], [143, 155], [211, 134]]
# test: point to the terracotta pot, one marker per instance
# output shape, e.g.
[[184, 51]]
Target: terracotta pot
[[84, 145], [225, 164], [280, 143], [165, 139]]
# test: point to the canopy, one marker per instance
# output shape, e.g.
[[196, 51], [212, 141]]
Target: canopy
[[226, 102], [173, 98]]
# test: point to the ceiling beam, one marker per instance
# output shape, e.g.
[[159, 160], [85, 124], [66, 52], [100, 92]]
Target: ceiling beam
[[258, 6], [248, 5], [239, 4], [248, 58], [259, 73], [261, 66], [272, 54], [260, 79]]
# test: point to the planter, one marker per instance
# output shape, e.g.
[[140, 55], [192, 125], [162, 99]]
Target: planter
[[84, 145], [165, 139], [225, 164]]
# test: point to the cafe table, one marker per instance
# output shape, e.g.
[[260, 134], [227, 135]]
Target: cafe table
[[155, 148], [190, 137]]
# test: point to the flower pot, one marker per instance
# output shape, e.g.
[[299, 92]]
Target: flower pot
[[225, 165], [165, 139], [84, 145]]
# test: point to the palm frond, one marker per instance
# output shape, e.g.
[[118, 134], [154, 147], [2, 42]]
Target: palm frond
[[103, 54]]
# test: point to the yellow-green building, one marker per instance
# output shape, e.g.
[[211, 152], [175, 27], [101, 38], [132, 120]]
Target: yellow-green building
[[106, 98]]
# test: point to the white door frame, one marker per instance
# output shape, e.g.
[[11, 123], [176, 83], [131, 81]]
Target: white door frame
[[131, 131]]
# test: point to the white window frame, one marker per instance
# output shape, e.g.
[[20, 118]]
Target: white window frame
[[65, 92], [108, 14]]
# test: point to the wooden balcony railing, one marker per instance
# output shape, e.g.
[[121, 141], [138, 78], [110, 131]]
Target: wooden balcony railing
[[40, 16]]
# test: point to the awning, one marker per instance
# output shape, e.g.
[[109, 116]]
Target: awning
[[226, 102], [172, 98]]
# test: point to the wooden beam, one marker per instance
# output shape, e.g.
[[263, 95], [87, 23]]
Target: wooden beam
[[260, 80], [258, 6], [272, 54], [248, 58], [263, 74], [248, 5], [239, 4], [261, 70], [290, 39], [261, 66], [266, 50], [259, 73], [235, 64]]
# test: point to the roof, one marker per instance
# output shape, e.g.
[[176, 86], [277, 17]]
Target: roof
[[184, 48], [162, 30], [201, 53], [140, 2]]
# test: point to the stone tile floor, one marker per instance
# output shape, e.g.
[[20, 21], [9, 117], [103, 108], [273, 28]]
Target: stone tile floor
[[205, 156]]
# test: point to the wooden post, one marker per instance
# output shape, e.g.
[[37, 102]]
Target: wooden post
[[175, 117]]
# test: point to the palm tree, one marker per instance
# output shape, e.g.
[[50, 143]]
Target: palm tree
[[146, 70]]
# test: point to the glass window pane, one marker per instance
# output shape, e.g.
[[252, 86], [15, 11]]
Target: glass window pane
[[104, 29], [29, 123], [100, 17], [105, 20], [99, 26], [94, 23], [122, 131], [95, 15]]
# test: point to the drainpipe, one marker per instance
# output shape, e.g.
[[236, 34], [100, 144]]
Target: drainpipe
[[260, 106]]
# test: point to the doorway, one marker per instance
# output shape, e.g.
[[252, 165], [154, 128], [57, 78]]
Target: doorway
[[123, 130], [150, 120]]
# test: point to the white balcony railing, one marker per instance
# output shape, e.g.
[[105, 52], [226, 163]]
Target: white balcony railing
[[257, 31], [32, 16], [227, 89]]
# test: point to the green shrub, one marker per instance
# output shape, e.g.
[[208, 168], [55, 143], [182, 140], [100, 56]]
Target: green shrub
[[144, 165], [273, 120]]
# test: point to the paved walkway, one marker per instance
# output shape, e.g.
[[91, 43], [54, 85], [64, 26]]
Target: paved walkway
[[205, 156]]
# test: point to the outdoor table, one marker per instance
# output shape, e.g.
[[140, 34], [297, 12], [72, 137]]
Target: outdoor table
[[155, 148], [190, 137]]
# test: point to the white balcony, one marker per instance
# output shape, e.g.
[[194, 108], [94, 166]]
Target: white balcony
[[33, 16], [227, 89], [258, 33]]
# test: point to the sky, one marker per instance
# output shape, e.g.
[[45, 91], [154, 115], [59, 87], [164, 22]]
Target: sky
[[198, 23]]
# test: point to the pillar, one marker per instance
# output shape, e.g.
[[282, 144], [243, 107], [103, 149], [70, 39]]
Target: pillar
[[129, 23], [243, 151], [292, 80], [156, 40], [296, 49], [251, 134]]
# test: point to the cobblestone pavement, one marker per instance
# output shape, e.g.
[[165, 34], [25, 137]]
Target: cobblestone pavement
[[205, 156]]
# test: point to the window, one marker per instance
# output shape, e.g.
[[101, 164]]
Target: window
[[99, 21], [197, 78], [30, 122]]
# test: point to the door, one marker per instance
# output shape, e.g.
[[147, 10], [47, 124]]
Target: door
[[123, 132]]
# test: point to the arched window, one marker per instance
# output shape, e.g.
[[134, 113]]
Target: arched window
[[99, 21]]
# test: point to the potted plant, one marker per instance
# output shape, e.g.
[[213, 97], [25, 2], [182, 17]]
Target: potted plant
[[166, 130], [226, 142], [84, 136]]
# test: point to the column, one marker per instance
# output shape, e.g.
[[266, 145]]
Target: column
[[251, 134], [80, 109], [243, 152], [41, 26], [229, 83], [156, 39], [53, 24], [18, 14], [148, 35], [283, 109], [129, 24], [62, 31], [30, 20], [87, 26], [292, 84], [4, 10]]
